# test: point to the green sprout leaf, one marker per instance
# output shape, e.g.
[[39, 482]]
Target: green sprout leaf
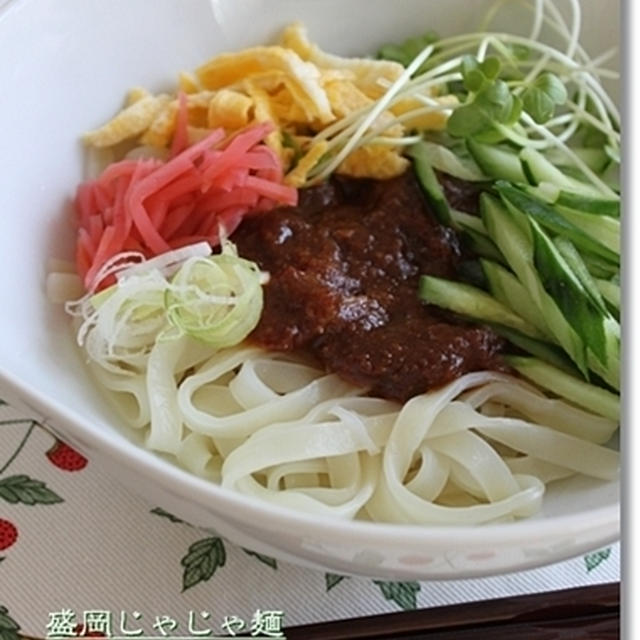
[[469, 63], [474, 80], [405, 52], [520, 51], [552, 86], [491, 67], [613, 153], [490, 102], [497, 100], [538, 105], [467, 121], [541, 98]]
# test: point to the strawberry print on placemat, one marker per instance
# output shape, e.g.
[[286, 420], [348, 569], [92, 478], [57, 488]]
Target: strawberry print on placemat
[[66, 458], [20, 488], [8, 534]]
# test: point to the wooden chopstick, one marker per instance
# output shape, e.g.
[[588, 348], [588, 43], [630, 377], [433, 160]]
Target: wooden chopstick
[[583, 613]]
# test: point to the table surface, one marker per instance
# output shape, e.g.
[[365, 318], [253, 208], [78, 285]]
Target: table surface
[[78, 552]]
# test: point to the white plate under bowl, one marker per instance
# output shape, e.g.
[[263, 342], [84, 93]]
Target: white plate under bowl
[[64, 68]]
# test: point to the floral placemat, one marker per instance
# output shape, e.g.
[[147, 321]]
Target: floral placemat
[[80, 555]]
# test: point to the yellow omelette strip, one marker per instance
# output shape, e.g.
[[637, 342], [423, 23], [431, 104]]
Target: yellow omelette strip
[[135, 94], [160, 131], [229, 109], [228, 68], [130, 122], [188, 83], [368, 73], [298, 176], [262, 112], [431, 121], [374, 161]]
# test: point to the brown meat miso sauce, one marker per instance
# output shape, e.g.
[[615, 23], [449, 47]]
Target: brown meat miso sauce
[[344, 267]]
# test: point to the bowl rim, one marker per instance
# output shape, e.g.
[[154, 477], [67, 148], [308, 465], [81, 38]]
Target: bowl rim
[[168, 476], [154, 468]]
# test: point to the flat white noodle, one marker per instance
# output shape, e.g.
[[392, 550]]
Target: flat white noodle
[[197, 454], [481, 461], [546, 471], [299, 501], [302, 481], [393, 501], [134, 408], [193, 354], [303, 441], [558, 448], [551, 412], [286, 375], [276, 475], [432, 475], [274, 426], [388, 505], [280, 407], [540, 441], [63, 286], [165, 433], [345, 482], [377, 417]]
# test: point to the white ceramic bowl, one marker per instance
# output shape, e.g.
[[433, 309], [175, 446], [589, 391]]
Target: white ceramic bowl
[[64, 68]]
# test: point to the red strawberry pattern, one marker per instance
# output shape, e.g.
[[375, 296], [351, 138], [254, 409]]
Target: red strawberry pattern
[[8, 534], [66, 458]]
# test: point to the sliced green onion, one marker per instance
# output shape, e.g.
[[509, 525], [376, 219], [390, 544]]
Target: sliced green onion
[[217, 299]]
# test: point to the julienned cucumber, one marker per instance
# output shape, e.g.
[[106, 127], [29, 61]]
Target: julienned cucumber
[[549, 218], [600, 268], [538, 169], [468, 221], [576, 264], [429, 182], [573, 201], [445, 160], [597, 159], [604, 229], [575, 304], [480, 243], [578, 391], [472, 302], [579, 202], [511, 231], [585, 331], [610, 291], [501, 163], [507, 289], [543, 350]]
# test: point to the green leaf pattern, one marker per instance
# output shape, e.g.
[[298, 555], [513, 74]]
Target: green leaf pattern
[[269, 561], [21, 488], [404, 594], [332, 579], [202, 560], [8, 626], [159, 511], [593, 560]]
